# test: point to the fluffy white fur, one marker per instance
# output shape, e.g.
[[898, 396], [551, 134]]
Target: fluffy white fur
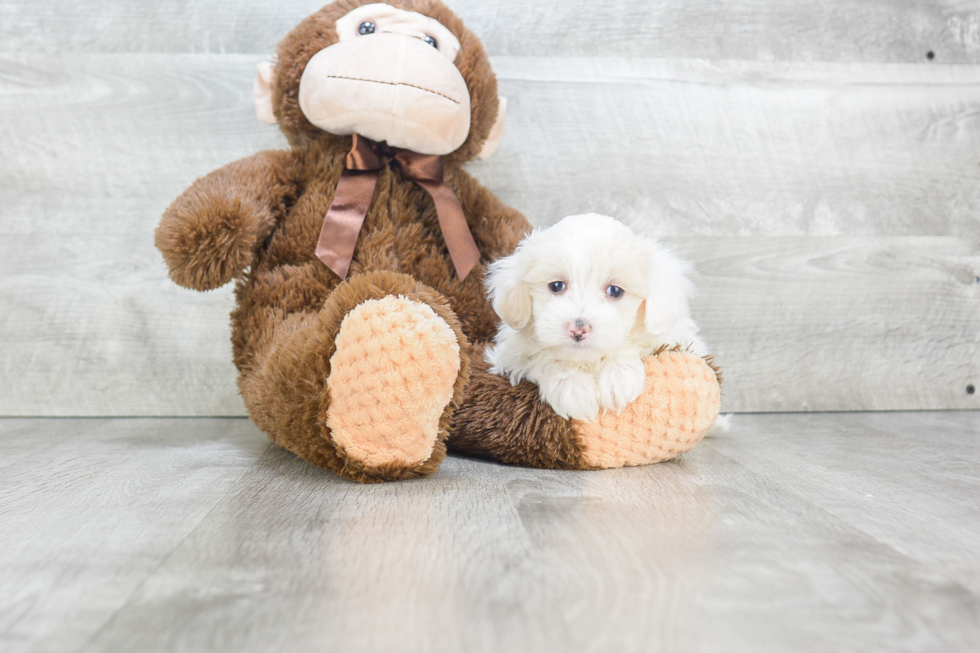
[[582, 346]]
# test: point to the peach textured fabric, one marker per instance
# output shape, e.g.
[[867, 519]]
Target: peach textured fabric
[[391, 378], [680, 402]]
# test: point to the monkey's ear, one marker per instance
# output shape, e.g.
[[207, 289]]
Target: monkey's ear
[[496, 132], [262, 93]]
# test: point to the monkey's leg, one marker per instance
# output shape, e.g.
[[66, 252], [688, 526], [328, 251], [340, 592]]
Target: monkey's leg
[[367, 386], [511, 424]]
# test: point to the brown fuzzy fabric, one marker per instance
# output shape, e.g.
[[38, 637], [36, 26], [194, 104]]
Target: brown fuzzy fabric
[[264, 213], [511, 424], [284, 386], [210, 233]]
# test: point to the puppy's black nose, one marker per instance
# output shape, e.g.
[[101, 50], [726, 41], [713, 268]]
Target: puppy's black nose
[[578, 329]]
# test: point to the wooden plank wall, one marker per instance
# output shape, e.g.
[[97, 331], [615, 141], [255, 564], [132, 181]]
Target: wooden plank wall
[[817, 164]]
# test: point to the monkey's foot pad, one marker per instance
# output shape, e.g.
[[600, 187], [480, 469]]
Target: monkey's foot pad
[[391, 379], [680, 401]]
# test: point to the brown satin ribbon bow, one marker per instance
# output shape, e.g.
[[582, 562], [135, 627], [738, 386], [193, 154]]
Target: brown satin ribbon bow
[[355, 189]]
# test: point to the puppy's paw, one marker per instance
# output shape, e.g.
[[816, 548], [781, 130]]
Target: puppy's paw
[[620, 382], [573, 397]]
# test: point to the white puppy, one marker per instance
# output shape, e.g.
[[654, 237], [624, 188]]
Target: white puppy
[[582, 303]]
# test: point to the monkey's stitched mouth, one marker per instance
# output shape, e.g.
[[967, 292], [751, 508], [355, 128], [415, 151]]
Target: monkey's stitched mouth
[[375, 81]]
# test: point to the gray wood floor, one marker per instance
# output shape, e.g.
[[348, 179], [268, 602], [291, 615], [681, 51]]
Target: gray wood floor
[[805, 532]]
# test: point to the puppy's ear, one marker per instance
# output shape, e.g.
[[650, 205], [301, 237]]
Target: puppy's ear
[[507, 290], [669, 290]]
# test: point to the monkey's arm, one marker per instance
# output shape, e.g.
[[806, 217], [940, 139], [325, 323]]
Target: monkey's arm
[[496, 227], [210, 234]]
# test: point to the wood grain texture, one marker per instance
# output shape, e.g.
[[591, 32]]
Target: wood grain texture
[[888, 500], [743, 149], [806, 324], [796, 324], [880, 161], [821, 532], [672, 147], [797, 30], [88, 508]]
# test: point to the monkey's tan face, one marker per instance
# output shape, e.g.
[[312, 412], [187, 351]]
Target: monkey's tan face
[[390, 77]]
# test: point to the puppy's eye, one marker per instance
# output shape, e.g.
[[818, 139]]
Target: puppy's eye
[[365, 28], [556, 286], [614, 291], [431, 41]]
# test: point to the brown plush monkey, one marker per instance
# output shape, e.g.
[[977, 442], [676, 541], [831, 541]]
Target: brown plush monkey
[[359, 253]]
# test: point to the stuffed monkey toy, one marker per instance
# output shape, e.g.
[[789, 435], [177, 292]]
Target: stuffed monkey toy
[[359, 256]]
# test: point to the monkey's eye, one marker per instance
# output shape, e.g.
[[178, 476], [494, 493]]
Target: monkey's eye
[[431, 41], [614, 291], [365, 28], [556, 286]]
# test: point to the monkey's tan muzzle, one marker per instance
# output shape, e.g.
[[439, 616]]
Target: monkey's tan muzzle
[[388, 87]]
